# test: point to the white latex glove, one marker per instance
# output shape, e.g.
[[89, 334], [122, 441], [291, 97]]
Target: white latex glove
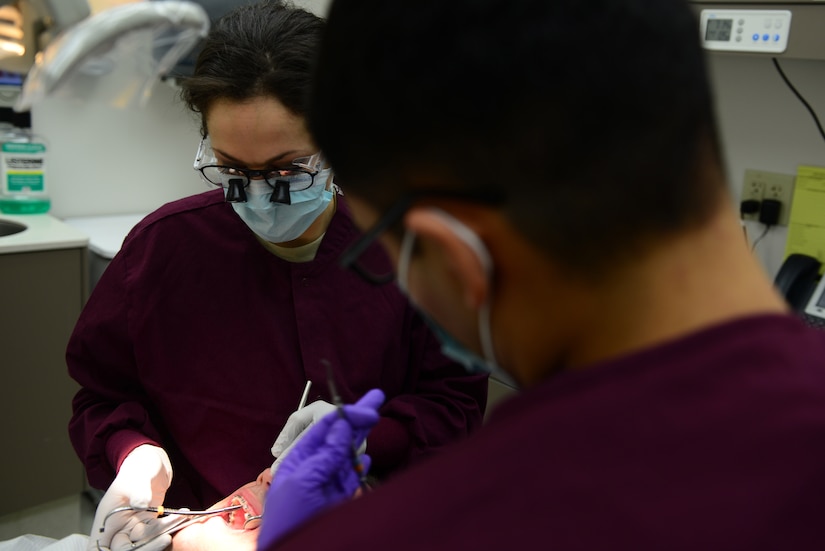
[[142, 481], [296, 427], [143, 531]]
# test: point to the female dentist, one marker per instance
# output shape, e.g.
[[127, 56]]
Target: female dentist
[[196, 344]]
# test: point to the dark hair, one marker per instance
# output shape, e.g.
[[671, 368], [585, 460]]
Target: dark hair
[[594, 118], [262, 49]]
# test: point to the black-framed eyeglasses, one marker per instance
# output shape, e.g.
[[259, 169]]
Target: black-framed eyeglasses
[[281, 180], [350, 258], [300, 175]]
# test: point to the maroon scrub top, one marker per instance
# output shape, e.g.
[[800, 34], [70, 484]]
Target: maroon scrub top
[[198, 339], [713, 442]]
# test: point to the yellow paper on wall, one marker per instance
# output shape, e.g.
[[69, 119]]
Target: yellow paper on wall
[[806, 226]]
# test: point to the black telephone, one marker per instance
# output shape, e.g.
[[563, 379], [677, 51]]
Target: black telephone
[[799, 282]]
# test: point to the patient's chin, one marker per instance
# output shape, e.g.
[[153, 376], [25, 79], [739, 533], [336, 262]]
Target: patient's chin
[[213, 533]]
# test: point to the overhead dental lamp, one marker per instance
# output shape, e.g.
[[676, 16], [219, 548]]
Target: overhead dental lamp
[[27, 26], [120, 51]]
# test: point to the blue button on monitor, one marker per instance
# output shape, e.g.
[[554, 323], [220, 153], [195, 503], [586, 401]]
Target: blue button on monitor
[[766, 37], [756, 37], [776, 38]]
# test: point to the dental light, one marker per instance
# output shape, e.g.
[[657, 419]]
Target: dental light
[[117, 54], [28, 26]]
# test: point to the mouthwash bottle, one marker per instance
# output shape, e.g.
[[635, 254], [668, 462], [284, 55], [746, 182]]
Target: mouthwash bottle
[[22, 172]]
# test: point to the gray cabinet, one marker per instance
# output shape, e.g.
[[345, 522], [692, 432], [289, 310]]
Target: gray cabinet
[[41, 295]]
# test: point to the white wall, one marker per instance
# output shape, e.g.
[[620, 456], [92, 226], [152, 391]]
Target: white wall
[[764, 126], [110, 160], [105, 160]]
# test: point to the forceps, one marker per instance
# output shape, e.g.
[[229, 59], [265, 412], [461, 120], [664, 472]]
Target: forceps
[[357, 464], [162, 512]]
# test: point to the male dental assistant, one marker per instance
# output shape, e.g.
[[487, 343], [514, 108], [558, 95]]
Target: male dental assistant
[[548, 178]]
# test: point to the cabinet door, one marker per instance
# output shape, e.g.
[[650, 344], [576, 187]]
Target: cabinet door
[[41, 294]]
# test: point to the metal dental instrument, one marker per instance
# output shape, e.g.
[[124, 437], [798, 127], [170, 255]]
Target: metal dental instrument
[[357, 465], [184, 522], [163, 512], [305, 395], [166, 511]]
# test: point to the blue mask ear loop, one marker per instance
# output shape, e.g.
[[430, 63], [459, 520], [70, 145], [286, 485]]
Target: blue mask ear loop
[[404, 256], [472, 240]]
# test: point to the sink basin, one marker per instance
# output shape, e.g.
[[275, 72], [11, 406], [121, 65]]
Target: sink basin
[[7, 227]]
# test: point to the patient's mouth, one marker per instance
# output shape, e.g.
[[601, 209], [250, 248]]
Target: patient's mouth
[[248, 517]]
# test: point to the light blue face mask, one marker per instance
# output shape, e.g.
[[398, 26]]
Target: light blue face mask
[[450, 346], [278, 222]]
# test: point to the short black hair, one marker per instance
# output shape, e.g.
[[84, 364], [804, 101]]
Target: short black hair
[[593, 118], [266, 49]]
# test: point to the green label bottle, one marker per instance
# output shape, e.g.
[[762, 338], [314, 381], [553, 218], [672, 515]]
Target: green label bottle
[[23, 173]]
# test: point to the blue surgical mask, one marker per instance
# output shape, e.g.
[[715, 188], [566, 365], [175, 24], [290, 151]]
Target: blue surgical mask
[[278, 222], [450, 346]]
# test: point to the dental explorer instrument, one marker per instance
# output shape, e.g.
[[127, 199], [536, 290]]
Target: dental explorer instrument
[[357, 464], [305, 395]]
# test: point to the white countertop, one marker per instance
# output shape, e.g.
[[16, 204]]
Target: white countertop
[[43, 232], [106, 233]]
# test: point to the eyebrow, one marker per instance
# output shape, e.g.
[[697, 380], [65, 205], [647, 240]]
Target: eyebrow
[[273, 160]]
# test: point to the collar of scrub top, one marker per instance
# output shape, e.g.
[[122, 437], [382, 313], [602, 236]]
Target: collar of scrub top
[[176, 26]]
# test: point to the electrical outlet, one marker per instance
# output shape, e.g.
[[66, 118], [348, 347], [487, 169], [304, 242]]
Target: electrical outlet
[[761, 185], [753, 186]]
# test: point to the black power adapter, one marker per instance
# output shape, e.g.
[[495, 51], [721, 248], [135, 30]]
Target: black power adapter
[[749, 206], [769, 213]]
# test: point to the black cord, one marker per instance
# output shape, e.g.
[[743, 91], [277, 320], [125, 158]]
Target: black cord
[[798, 95], [758, 239]]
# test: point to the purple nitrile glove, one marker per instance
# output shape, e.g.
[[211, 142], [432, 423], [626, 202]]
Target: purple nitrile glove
[[318, 472]]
